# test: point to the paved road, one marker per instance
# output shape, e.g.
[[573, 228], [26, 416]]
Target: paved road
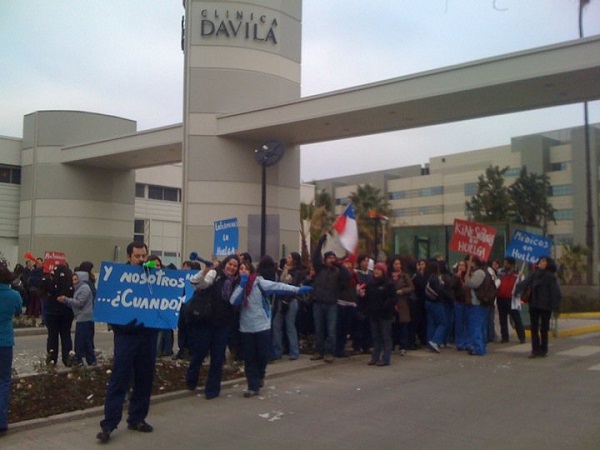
[[30, 349], [423, 401]]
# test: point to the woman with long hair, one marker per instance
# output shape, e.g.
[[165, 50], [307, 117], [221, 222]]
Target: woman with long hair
[[404, 288], [255, 318], [216, 285], [544, 300], [285, 309]]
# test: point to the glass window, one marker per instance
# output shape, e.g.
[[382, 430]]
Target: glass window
[[16, 176], [139, 226], [563, 214], [560, 190], [4, 175], [470, 189], [155, 192], [171, 194], [558, 167], [140, 190]]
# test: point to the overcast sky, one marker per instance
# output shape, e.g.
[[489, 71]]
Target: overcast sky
[[124, 58]]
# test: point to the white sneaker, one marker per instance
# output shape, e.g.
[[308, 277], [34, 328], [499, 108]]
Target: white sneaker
[[434, 347]]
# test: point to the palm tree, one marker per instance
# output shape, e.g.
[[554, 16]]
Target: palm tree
[[372, 212], [572, 264]]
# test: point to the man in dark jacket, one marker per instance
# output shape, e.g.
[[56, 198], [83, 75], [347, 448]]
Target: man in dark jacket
[[134, 359], [326, 292]]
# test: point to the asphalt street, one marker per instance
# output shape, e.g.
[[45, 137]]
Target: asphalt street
[[422, 401]]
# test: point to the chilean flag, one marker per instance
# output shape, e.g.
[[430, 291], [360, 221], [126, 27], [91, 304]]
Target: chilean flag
[[347, 230]]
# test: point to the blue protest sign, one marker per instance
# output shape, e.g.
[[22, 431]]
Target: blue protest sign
[[528, 247], [226, 237], [151, 296]]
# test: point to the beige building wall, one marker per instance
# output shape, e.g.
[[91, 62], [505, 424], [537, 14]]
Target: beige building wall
[[83, 212]]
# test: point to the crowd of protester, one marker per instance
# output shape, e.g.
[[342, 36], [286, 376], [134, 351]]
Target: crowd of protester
[[331, 308]]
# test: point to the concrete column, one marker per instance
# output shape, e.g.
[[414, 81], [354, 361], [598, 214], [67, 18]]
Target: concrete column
[[238, 57]]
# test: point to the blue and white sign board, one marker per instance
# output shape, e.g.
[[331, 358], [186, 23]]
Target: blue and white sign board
[[151, 296], [528, 247], [226, 237]]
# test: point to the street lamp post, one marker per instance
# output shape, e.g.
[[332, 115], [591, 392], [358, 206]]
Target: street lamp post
[[268, 154]]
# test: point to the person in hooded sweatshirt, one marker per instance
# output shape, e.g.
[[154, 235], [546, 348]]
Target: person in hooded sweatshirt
[[82, 305]]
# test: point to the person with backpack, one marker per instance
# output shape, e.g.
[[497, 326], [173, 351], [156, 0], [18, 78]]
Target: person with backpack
[[211, 334], [255, 319], [506, 307], [483, 293]]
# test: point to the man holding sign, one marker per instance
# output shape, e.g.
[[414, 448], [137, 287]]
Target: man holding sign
[[134, 358]]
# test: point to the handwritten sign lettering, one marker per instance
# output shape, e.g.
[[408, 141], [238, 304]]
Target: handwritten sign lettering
[[473, 238]]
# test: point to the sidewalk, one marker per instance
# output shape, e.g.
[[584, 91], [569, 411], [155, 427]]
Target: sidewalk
[[568, 325]]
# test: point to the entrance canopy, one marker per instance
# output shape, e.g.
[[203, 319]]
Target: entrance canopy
[[555, 75]]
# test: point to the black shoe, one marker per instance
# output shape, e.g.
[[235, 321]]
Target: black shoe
[[142, 427], [103, 436], [248, 394]]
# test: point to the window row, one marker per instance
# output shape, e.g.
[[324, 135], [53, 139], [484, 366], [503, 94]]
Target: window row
[[419, 211], [415, 193], [154, 192], [10, 175]]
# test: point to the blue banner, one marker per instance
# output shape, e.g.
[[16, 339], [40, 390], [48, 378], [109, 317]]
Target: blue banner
[[226, 237], [528, 247], [151, 296]]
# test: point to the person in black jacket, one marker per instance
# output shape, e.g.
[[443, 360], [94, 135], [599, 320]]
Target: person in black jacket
[[58, 317], [326, 293], [380, 295], [544, 300], [134, 360]]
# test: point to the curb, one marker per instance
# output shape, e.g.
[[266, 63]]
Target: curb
[[98, 411]]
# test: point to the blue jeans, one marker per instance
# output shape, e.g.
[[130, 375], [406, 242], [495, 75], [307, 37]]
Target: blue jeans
[[257, 351], [449, 308], [461, 326], [134, 354], [436, 321], [381, 330], [290, 329], [204, 339], [325, 316], [84, 342], [478, 323], [6, 357]]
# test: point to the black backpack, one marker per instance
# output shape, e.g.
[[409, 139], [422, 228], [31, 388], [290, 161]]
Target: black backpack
[[486, 292]]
